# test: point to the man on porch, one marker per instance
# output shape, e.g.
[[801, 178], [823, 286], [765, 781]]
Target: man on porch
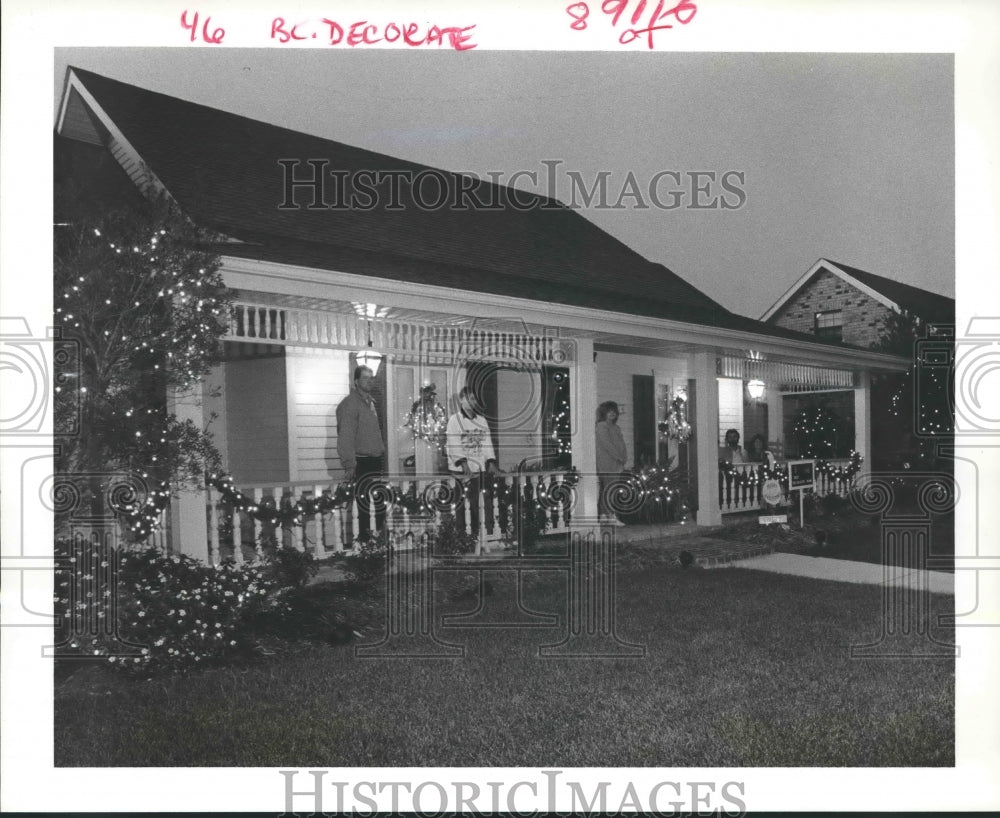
[[361, 448]]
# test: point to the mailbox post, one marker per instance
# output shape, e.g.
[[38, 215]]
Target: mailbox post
[[801, 476]]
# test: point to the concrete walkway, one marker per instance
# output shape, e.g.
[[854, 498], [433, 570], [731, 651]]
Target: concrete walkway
[[935, 582]]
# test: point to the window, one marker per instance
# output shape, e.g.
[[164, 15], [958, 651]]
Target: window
[[830, 325]]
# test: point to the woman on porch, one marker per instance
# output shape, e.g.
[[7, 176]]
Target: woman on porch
[[611, 458]]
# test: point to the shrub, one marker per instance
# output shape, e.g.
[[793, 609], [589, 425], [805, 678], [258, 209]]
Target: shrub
[[367, 563], [288, 567], [451, 539], [148, 612]]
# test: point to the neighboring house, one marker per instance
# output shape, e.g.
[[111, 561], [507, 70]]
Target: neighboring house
[[835, 302], [524, 298]]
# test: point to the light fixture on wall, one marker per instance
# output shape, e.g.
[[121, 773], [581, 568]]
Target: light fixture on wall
[[756, 388], [368, 356]]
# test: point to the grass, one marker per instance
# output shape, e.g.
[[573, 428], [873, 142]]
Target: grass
[[742, 668]]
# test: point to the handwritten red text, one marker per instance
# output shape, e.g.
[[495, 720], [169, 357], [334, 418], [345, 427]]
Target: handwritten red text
[[659, 19], [361, 32], [208, 34]]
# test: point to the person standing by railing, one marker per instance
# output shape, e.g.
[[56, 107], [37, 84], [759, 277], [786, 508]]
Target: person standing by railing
[[611, 458], [732, 452], [469, 446], [361, 447]]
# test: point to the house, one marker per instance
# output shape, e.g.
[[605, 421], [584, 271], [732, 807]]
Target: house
[[542, 312], [840, 303]]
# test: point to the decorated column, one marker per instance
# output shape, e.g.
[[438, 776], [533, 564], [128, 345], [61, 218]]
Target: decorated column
[[706, 437], [584, 400], [863, 419], [188, 528]]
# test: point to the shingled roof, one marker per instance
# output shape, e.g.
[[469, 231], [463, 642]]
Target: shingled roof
[[928, 306], [224, 172]]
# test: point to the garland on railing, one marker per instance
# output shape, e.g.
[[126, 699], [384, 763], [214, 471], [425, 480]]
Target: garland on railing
[[758, 473], [286, 512], [841, 473]]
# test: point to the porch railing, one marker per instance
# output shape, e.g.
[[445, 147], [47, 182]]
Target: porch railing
[[415, 509], [741, 485]]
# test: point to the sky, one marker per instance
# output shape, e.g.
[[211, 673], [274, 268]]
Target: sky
[[842, 156]]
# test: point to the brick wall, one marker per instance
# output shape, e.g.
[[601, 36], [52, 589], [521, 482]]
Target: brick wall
[[864, 317]]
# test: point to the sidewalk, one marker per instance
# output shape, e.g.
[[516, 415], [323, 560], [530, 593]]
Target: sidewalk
[[935, 582]]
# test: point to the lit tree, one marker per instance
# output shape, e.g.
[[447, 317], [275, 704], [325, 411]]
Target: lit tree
[[145, 310], [911, 413], [816, 430]]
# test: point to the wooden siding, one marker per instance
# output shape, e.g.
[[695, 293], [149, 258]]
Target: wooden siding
[[318, 380], [257, 416]]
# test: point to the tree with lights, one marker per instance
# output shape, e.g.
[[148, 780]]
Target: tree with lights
[[911, 412], [816, 430], [143, 309]]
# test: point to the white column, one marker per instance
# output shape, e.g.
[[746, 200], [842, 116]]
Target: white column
[[863, 419], [188, 531], [706, 436], [584, 404]]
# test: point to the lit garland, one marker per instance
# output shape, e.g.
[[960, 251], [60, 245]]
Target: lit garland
[[286, 512], [757, 474]]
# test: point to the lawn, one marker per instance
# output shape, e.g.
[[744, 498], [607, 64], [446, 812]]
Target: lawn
[[741, 668]]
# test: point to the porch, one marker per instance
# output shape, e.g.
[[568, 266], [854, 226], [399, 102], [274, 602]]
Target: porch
[[288, 365]]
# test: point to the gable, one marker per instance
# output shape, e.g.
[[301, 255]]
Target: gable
[[929, 307]]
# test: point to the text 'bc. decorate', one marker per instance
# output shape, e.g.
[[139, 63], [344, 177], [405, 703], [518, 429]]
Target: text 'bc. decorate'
[[338, 33]]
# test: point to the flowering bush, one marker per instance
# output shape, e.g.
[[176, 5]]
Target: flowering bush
[[148, 612]]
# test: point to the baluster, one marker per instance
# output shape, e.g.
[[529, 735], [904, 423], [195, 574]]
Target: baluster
[[237, 536], [316, 523], [336, 520], [258, 496], [296, 532], [404, 488], [213, 518], [494, 496], [267, 322], [479, 500], [355, 516]]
